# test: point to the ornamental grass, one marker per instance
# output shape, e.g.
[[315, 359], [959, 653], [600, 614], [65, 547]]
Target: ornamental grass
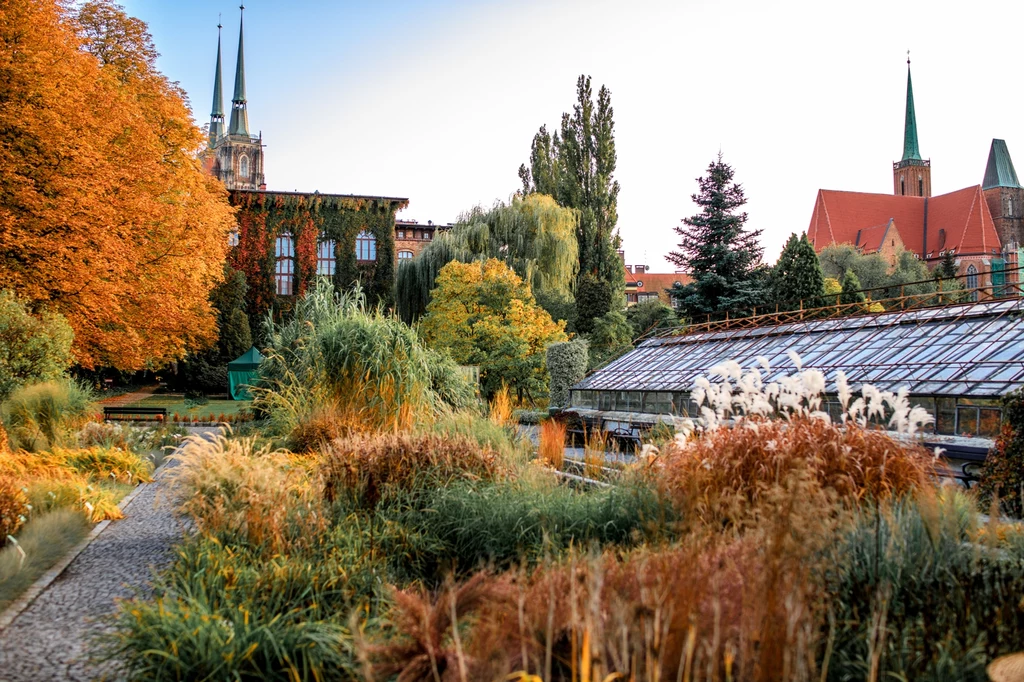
[[368, 469], [728, 469]]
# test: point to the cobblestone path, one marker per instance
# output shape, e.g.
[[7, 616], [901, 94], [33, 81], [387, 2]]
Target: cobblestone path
[[49, 640]]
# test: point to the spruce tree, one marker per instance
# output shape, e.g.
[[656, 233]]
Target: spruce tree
[[797, 276], [722, 257], [851, 289]]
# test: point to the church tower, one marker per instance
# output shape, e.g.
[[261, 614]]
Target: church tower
[[912, 175], [1004, 194], [237, 157]]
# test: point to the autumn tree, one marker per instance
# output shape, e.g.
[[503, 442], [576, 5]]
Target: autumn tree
[[484, 314], [105, 214]]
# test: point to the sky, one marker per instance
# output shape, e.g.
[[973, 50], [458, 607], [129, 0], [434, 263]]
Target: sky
[[438, 101]]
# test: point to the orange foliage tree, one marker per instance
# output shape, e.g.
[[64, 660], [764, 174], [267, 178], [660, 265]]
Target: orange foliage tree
[[105, 213]]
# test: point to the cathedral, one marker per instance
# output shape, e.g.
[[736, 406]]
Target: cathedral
[[286, 240], [981, 226]]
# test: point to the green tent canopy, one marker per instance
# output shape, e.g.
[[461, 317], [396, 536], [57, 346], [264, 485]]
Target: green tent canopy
[[242, 374]]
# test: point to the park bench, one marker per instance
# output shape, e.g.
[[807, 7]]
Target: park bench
[[135, 414]]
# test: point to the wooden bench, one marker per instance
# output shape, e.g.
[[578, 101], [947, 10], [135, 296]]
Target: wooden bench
[[135, 414]]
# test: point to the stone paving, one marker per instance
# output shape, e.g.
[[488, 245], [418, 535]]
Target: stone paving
[[49, 640]]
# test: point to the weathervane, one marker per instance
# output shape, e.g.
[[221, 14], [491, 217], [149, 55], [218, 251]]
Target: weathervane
[[908, 57]]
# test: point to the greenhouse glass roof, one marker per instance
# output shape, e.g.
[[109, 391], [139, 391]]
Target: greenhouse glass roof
[[971, 350]]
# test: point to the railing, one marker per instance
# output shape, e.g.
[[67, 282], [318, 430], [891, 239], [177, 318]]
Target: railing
[[821, 307]]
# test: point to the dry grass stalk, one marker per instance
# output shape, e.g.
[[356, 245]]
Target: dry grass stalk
[[367, 466], [501, 407], [552, 443], [594, 449]]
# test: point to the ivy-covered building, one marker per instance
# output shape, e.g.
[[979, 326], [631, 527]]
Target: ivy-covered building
[[285, 240]]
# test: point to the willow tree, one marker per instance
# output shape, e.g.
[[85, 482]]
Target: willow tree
[[533, 235]]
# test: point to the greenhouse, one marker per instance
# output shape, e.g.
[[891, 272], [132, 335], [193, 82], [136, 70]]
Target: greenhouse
[[956, 361]]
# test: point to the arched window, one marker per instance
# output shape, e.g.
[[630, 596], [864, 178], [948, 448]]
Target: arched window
[[972, 281], [284, 269], [405, 255], [903, 186], [366, 247], [325, 261], [920, 186], [243, 167]]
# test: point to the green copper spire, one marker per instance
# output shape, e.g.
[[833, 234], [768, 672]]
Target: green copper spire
[[910, 149], [217, 115], [999, 171], [239, 117]]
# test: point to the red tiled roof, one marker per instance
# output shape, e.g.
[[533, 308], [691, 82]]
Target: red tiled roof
[[870, 239], [655, 282], [962, 216]]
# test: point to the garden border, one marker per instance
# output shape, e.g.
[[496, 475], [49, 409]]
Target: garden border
[[46, 579]]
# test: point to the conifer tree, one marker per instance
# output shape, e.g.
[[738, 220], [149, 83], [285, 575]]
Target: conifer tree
[[797, 276], [851, 289], [722, 257]]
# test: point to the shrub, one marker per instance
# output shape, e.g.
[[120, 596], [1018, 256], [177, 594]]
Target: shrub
[[105, 464], [368, 469], [610, 337], [1002, 475], [41, 416], [567, 365], [14, 507], [32, 348]]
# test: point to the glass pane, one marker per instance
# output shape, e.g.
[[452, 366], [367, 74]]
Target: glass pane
[[989, 422], [945, 420], [966, 421]]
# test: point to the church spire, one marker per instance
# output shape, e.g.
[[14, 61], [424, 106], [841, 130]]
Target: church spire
[[910, 148], [217, 115], [239, 117]]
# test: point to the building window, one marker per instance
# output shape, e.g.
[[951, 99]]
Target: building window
[[903, 186], [366, 247], [972, 281], [243, 166], [233, 238], [284, 271], [428, 235], [920, 187], [401, 234], [1009, 207], [405, 255], [325, 261]]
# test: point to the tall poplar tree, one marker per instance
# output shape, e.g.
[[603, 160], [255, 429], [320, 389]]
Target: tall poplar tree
[[577, 166], [797, 276], [722, 257]]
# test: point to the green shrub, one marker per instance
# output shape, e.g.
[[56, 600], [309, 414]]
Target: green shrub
[[449, 382], [1002, 475], [567, 365], [40, 416], [611, 337], [650, 316], [32, 348]]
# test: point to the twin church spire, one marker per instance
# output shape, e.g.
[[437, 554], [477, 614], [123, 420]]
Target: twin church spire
[[239, 124], [235, 157]]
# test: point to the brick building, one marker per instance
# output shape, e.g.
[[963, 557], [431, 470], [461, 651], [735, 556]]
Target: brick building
[[411, 237], [981, 225]]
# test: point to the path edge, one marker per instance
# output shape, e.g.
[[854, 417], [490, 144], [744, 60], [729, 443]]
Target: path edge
[[19, 605]]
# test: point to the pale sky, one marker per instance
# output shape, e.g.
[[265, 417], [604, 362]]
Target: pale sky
[[438, 101]]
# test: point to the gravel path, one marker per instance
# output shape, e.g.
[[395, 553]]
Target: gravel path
[[48, 641]]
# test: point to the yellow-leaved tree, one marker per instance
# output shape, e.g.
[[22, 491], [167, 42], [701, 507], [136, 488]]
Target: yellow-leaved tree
[[105, 214], [484, 314]]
